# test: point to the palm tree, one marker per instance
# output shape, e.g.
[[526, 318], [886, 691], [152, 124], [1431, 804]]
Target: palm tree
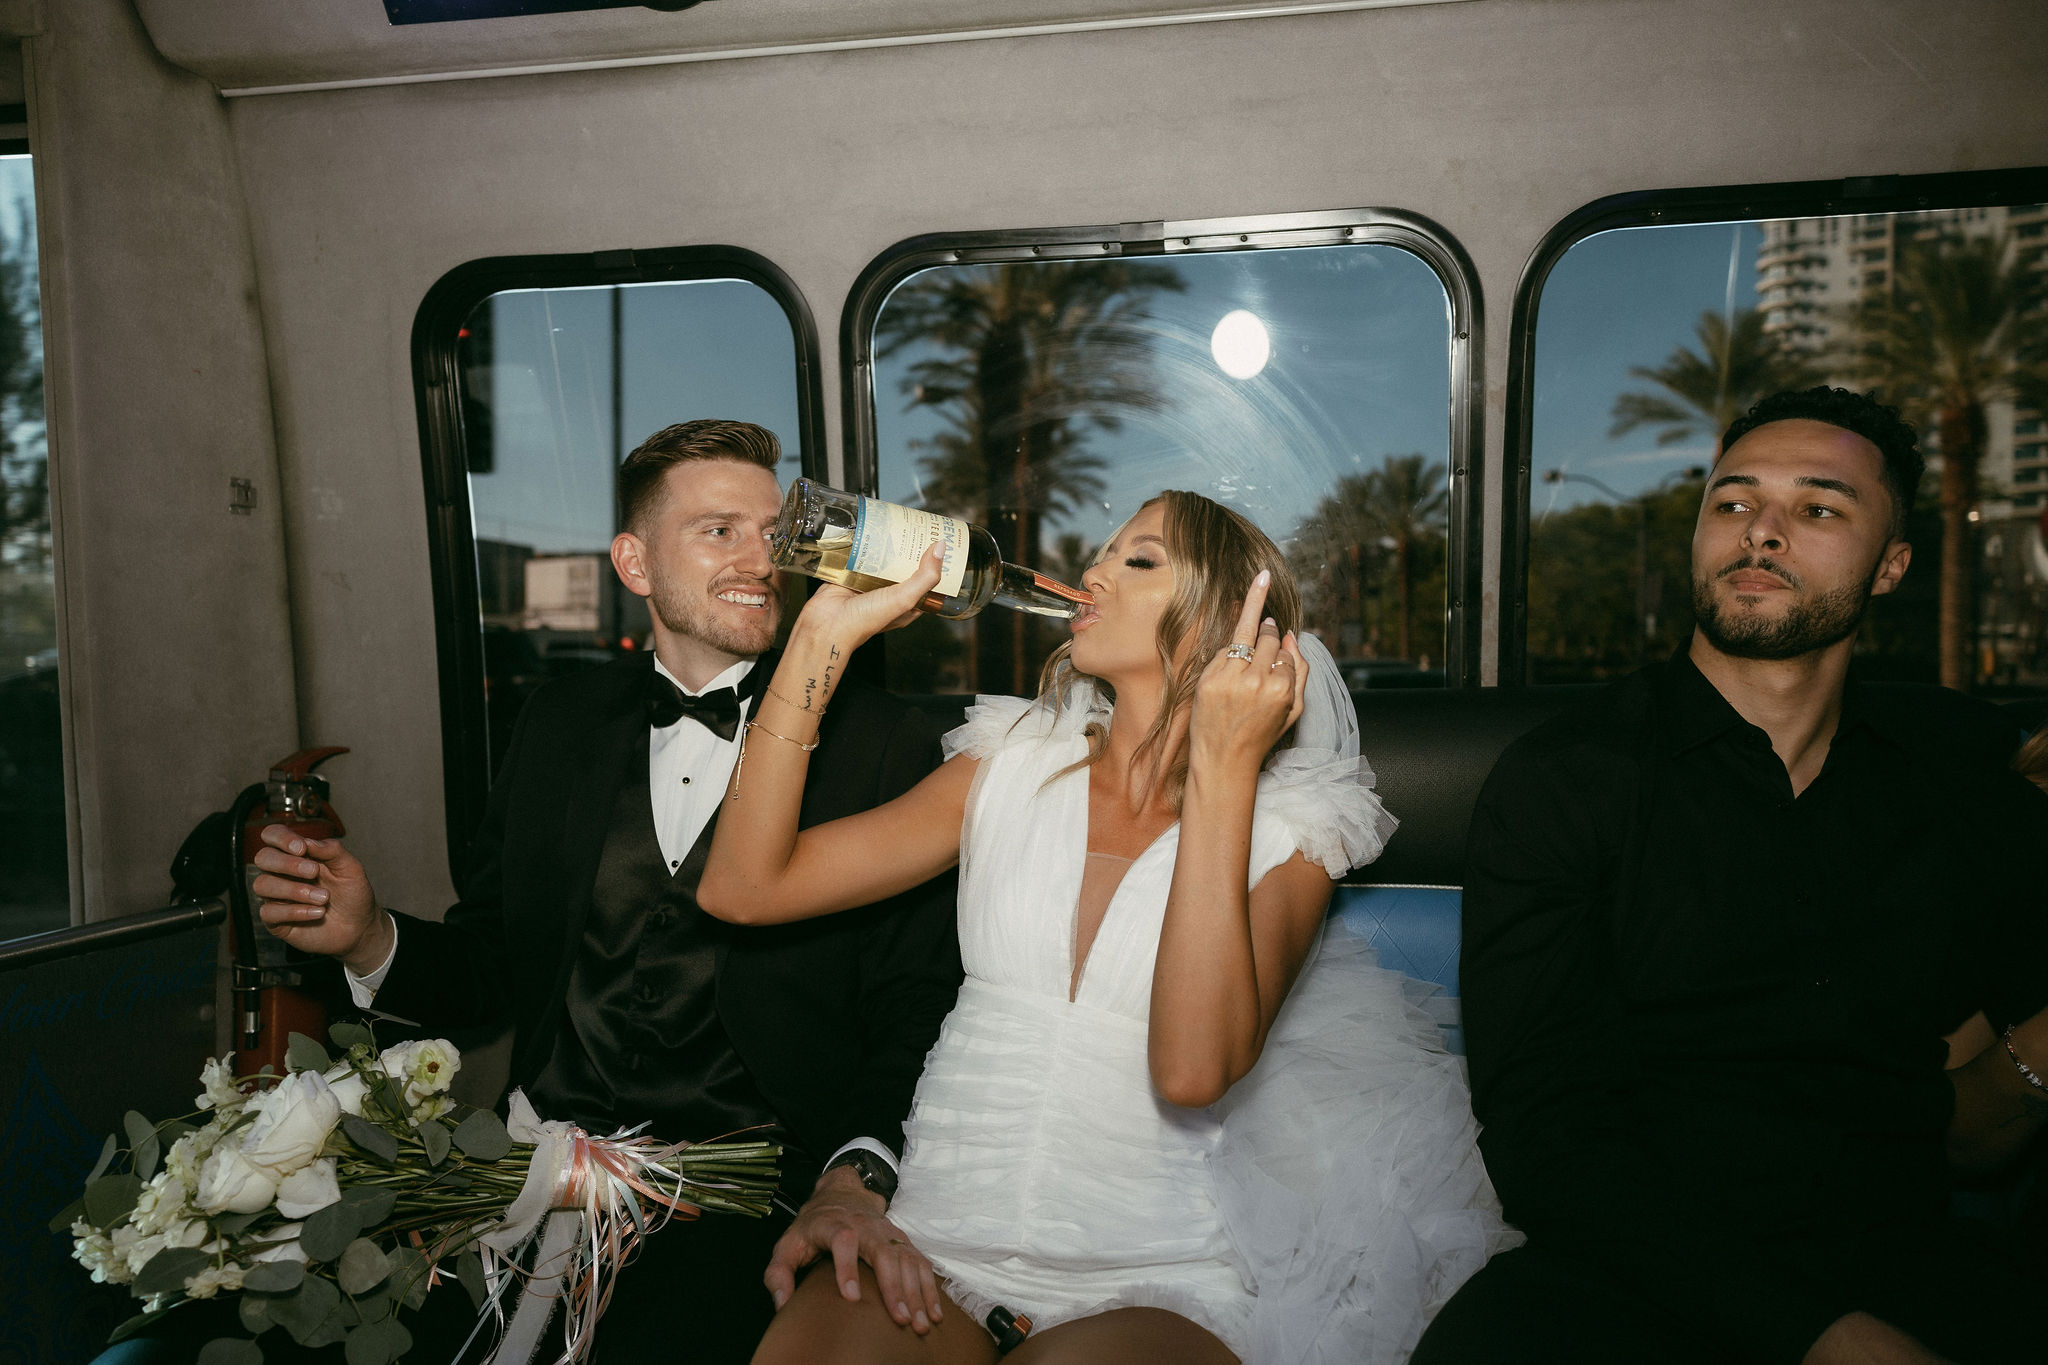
[[1384, 516], [1737, 363], [1025, 362], [1957, 328]]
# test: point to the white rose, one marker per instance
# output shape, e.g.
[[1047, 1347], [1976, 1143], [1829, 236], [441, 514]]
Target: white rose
[[349, 1089], [230, 1183], [187, 1154], [426, 1067], [309, 1189], [218, 1076], [280, 1244], [294, 1121]]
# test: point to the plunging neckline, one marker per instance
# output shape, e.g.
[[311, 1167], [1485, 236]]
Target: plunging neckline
[[1077, 961]]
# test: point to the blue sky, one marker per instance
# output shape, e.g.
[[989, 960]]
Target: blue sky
[[1359, 371]]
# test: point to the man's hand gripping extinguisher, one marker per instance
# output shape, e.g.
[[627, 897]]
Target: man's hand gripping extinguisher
[[269, 1004]]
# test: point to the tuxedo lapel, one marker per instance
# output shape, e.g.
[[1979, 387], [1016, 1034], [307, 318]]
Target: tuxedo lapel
[[596, 761]]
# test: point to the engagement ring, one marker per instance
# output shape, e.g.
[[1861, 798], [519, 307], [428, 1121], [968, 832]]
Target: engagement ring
[[1240, 651]]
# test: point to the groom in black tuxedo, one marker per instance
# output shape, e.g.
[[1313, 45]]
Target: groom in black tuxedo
[[578, 921]]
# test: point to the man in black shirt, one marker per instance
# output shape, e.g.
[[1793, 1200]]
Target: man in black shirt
[[1716, 926]]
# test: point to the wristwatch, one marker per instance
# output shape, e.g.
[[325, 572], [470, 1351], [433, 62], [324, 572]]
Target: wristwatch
[[875, 1174]]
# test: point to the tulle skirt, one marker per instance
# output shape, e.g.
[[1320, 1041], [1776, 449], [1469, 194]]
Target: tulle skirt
[[1322, 1211]]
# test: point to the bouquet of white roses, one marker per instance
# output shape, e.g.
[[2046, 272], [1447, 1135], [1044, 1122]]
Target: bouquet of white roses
[[335, 1196]]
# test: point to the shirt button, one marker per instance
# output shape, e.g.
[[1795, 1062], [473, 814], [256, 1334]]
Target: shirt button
[[686, 782]]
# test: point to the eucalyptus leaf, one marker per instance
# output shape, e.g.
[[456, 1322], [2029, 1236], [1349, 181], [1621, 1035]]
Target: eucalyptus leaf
[[168, 1270], [254, 1311], [409, 1270], [346, 1035], [230, 1351], [99, 1168], [146, 1153], [138, 1322], [362, 1267], [310, 1312], [68, 1215], [372, 1203], [170, 1130], [305, 1054], [111, 1198], [232, 1223], [378, 1343], [274, 1277], [434, 1137], [482, 1135], [137, 1128], [469, 1269], [327, 1234], [370, 1138]]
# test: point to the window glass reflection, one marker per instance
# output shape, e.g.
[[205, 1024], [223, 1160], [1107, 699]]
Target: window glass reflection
[[558, 385], [35, 890], [1651, 340], [1307, 387]]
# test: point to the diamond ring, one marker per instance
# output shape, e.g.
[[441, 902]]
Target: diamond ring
[[1240, 651]]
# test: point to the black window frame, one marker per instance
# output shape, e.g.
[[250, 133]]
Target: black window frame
[[451, 542], [1413, 233], [1668, 208]]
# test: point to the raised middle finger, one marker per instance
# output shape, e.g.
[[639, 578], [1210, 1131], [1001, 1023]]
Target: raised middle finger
[[1254, 603]]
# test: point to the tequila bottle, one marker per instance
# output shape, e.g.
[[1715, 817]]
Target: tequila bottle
[[865, 543]]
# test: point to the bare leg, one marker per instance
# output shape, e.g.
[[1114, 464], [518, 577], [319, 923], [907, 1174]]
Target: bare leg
[[1123, 1336], [817, 1325]]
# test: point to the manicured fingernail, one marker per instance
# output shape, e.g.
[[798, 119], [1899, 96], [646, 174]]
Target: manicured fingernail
[[298, 846], [1271, 622], [851, 1288], [781, 1298], [924, 1324], [903, 1310], [317, 895], [1265, 577]]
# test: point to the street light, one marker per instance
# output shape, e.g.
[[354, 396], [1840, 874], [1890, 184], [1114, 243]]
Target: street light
[[1646, 607]]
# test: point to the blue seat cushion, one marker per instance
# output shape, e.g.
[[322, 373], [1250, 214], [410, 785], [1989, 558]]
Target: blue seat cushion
[[1414, 930]]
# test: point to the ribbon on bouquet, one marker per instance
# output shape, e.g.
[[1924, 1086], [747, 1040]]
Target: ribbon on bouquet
[[585, 1205]]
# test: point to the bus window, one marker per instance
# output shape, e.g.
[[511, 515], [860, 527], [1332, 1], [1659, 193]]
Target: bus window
[[34, 866], [1307, 386], [553, 387], [1649, 340]]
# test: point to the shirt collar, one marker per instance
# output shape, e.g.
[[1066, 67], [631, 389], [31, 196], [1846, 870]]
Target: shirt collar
[[1694, 710], [730, 678]]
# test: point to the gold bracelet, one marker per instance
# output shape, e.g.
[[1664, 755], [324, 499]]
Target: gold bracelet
[[757, 725], [794, 706], [740, 764]]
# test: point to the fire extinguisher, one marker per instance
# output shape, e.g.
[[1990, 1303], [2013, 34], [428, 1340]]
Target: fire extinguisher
[[269, 1006]]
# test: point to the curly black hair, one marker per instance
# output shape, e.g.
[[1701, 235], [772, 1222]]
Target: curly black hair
[[1861, 413]]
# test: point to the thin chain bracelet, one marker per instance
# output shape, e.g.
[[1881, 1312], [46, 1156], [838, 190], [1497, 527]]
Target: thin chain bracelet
[[2032, 1076], [740, 764], [794, 706]]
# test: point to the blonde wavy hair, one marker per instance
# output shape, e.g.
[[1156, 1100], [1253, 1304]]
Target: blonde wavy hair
[[1215, 554]]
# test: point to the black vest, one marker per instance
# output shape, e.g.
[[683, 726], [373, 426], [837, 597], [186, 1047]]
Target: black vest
[[641, 1039]]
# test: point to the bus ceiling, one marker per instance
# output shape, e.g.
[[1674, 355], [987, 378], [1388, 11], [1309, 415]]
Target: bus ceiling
[[258, 47]]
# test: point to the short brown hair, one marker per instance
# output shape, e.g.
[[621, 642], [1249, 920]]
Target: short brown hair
[[710, 438]]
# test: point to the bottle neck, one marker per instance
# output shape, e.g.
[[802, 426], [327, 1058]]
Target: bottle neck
[[1022, 589]]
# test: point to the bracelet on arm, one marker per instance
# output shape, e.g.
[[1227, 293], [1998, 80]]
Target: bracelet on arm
[[740, 764], [792, 705], [2031, 1076]]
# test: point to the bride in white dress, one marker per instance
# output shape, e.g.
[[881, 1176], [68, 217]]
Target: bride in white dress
[[1121, 1135]]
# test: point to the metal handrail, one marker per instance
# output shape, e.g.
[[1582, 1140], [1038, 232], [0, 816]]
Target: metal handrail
[[32, 949]]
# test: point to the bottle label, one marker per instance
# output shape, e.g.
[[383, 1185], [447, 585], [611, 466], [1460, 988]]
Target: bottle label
[[889, 539]]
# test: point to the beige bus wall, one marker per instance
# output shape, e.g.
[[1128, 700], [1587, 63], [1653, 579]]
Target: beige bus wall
[[232, 280]]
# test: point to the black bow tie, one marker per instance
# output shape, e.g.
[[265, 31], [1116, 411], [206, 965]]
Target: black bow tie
[[718, 712]]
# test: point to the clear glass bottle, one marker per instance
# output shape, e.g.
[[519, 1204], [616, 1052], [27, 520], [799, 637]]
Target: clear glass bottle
[[865, 543]]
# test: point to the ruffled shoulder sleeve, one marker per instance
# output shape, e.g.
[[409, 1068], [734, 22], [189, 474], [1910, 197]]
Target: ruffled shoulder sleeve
[[994, 723], [1323, 805]]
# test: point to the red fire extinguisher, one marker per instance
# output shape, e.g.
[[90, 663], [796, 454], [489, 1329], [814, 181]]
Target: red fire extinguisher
[[269, 1007]]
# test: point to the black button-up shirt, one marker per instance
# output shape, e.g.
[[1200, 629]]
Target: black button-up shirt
[[1705, 1016]]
